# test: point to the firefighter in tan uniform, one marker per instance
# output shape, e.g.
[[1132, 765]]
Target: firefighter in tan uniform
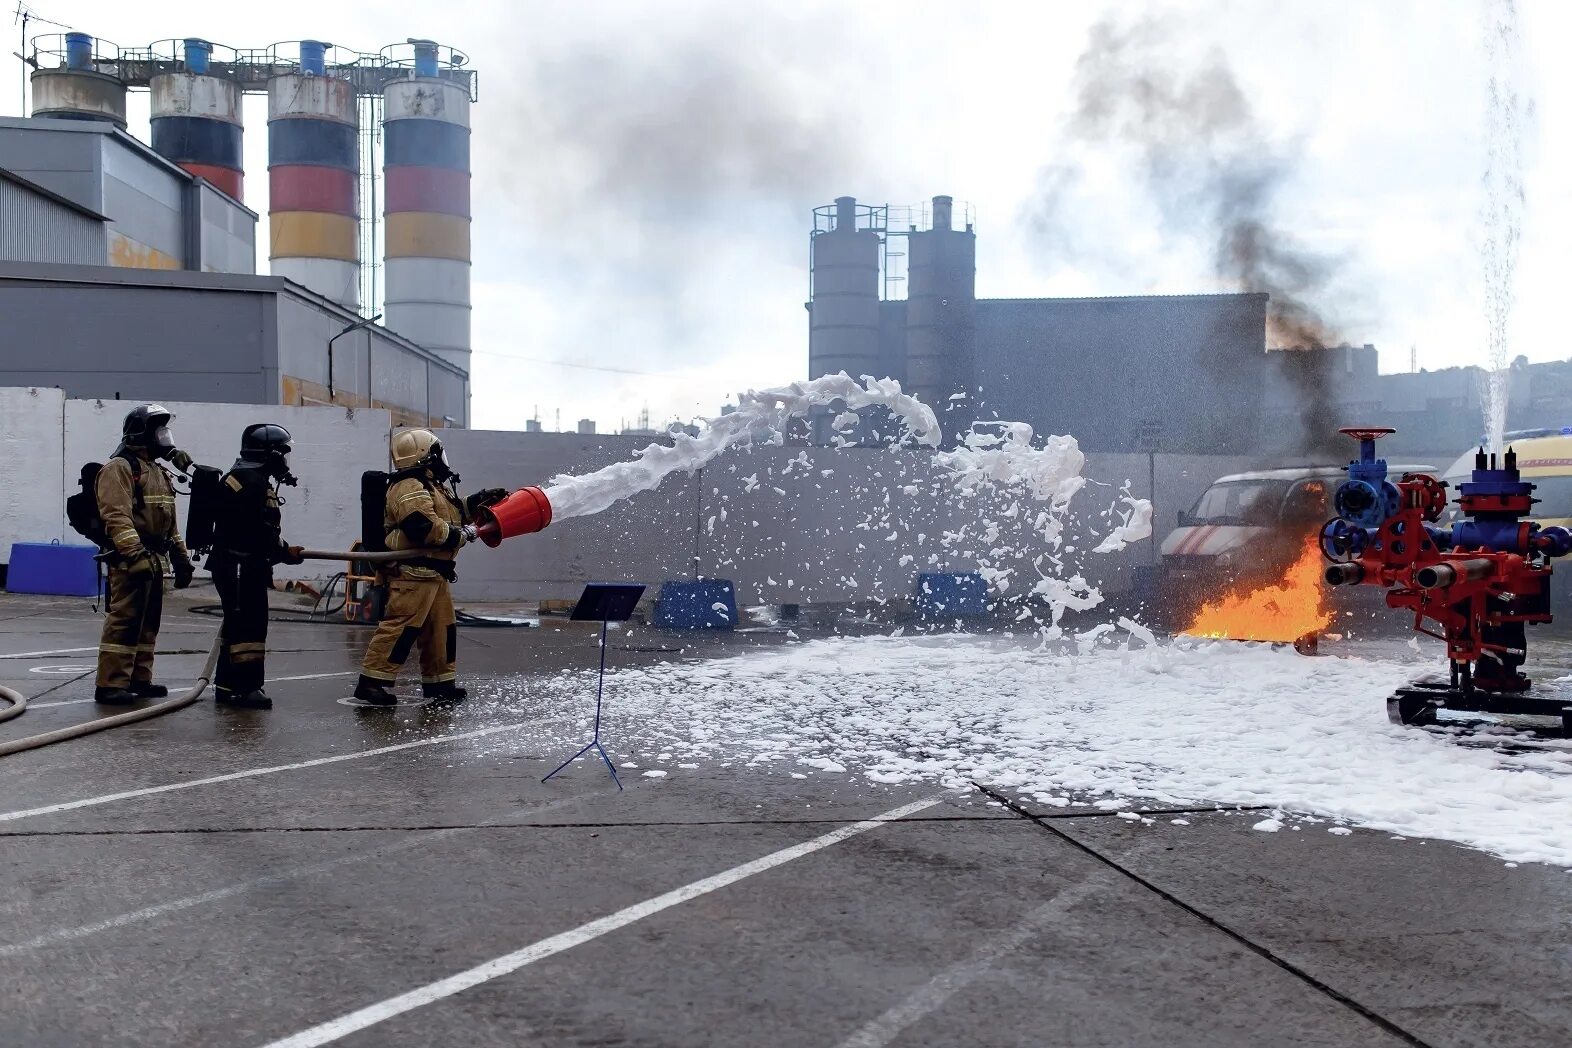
[[420, 512], [136, 503]]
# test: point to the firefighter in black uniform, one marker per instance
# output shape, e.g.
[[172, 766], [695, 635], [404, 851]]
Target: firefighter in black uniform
[[247, 542]]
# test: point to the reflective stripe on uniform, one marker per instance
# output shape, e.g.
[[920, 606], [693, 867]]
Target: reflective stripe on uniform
[[439, 679], [413, 495], [118, 649]]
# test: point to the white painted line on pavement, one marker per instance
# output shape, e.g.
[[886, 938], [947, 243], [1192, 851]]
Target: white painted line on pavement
[[40, 654], [314, 676], [251, 773], [929, 997], [272, 880], [345, 1025]]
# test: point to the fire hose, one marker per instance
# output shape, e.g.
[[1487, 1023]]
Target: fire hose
[[178, 702], [17, 700], [76, 731]]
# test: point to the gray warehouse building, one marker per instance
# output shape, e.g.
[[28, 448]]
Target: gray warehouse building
[[37, 225], [122, 274], [105, 332], [1176, 373]]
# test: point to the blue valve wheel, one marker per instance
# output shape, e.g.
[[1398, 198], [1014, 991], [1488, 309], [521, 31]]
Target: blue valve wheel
[[1342, 541]]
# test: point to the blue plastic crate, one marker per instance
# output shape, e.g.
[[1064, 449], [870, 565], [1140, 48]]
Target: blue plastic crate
[[49, 567], [941, 596], [690, 605]]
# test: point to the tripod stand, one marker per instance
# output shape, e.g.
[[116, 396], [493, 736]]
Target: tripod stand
[[605, 602]]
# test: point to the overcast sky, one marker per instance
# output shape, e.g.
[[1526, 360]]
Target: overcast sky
[[644, 173]]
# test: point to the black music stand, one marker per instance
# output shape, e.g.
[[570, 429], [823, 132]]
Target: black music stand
[[603, 602]]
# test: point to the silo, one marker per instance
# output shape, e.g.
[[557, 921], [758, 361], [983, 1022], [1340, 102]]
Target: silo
[[79, 88], [843, 314], [196, 120], [941, 310], [425, 150], [314, 178]]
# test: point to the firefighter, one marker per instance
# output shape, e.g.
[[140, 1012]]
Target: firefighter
[[422, 510], [136, 503], [247, 542]]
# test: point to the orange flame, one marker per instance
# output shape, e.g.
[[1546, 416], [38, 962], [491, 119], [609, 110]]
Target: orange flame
[[1291, 608]]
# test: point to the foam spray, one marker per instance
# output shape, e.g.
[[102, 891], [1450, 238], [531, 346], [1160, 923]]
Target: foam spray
[[1501, 214]]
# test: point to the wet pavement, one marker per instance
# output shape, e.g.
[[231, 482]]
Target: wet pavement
[[320, 874]]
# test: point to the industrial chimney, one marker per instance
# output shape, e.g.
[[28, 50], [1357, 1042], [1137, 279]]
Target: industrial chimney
[[313, 174], [77, 89], [843, 311], [941, 310], [196, 120], [426, 171]]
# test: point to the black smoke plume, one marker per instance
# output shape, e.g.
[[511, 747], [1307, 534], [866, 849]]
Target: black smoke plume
[[1214, 176]]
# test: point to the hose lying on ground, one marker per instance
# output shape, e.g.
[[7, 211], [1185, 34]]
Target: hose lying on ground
[[169, 705], [17, 700], [75, 731]]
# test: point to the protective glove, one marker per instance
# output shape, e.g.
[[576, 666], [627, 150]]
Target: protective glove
[[470, 533], [142, 567], [184, 572], [180, 460], [483, 498], [292, 554]]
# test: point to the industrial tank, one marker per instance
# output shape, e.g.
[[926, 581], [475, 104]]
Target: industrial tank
[[941, 309], [843, 311]]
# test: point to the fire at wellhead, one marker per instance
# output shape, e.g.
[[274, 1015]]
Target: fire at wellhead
[[552, 566]]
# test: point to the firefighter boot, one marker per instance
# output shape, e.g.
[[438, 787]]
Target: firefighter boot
[[256, 699], [373, 692], [146, 689], [116, 696], [444, 693]]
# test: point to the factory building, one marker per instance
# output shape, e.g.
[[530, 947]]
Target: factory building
[[83, 203], [153, 213], [893, 292], [102, 332], [37, 225]]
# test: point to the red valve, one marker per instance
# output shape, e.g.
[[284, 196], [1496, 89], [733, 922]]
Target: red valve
[[1367, 433]]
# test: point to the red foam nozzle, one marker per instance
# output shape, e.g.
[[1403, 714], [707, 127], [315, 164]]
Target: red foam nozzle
[[524, 512]]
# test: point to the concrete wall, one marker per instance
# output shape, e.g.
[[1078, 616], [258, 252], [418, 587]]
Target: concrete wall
[[824, 535], [31, 467]]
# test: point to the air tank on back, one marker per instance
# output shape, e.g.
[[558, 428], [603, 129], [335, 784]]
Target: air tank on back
[[196, 119], [941, 310], [84, 84], [843, 313], [314, 178], [426, 172]]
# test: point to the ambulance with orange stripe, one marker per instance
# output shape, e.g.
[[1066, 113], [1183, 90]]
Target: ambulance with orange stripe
[[1236, 529]]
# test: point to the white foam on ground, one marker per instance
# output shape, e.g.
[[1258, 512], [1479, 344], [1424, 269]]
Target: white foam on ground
[[1183, 724]]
